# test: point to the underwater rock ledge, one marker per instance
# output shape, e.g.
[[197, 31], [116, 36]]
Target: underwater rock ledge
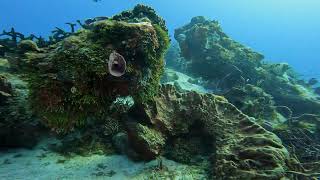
[[240, 148]]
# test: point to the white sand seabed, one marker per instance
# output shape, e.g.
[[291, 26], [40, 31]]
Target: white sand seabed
[[40, 163]]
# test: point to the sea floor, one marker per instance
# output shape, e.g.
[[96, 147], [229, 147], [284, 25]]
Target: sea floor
[[41, 163]]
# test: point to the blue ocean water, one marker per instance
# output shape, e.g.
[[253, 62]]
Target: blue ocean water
[[284, 31]]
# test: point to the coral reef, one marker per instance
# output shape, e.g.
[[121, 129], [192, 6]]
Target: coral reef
[[253, 101], [18, 127], [233, 116], [230, 68], [70, 81], [84, 143], [211, 54], [9, 44], [239, 147], [301, 137], [271, 93]]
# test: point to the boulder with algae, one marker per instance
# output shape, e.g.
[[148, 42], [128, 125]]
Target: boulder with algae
[[255, 102], [240, 148], [18, 127], [77, 79], [228, 65], [211, 54]]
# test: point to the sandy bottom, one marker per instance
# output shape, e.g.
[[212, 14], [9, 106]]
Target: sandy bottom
[[41, 163]]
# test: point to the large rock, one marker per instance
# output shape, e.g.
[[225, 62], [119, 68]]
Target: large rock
[[228, 65], [18, 127], [211, 54], [78, 78], [241, 149]]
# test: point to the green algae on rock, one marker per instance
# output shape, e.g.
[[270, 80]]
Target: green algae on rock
[[253, 101], [272, 93], [227, 65], [70, 82], [211, 54], [239, 147], [18, 126]]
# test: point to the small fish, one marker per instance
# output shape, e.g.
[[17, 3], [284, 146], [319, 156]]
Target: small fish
[[89, 21], [101, 18], [313, 81], [317, 90]]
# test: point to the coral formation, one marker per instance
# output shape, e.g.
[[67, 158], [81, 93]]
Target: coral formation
[[99, 89], [229, 66], [211, 54], [271, 93], [70, 81], [253, 101], [301, 138], [27, 45], [18, 127], [239, 147]]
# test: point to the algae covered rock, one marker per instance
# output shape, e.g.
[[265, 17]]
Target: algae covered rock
[[145, 140], [70, 81], [27, 45], [271, 93], [239, 147], [229, 68], [211, 54], [289, 92], [18, 126], [254, 101], [5, 89], [301, 138]]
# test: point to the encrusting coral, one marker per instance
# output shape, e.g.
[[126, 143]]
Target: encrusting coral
[[239, 147]]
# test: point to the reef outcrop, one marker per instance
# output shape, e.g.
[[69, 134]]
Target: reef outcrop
[[73, 81], [227, 65], [272, 94], [239, 148], [18, 127], [211, 54]]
